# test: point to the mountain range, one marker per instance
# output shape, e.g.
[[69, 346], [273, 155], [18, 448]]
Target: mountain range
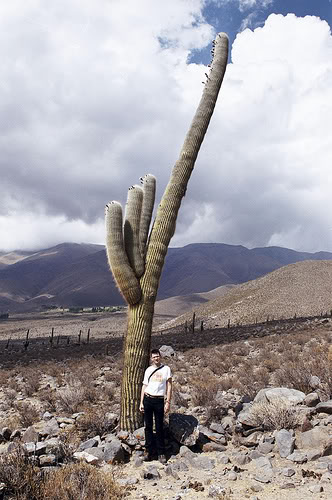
[[74, 275]]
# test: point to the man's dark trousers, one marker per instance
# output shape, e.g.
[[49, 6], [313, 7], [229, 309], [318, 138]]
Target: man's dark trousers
[[154, 407]]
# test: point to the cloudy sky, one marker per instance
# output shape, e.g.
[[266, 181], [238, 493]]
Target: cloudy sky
[[96, 93]]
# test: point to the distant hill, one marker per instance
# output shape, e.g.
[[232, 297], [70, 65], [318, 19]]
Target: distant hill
[[303, 288], [72, 274]]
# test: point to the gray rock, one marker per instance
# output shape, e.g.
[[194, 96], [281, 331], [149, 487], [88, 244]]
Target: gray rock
[[313, 454], [264, 477], [184, 428], [223, 459], [315, 438], [202, 463], [113, 452], [30, 435], [231, 476], [35, 448], [185, 452], [217, 428], [90, 443], [212, 446], [265, 448], [252, 440], [292, 396], [89, 459], [285, 442], [96, 452], [288, 472], [263, 463], [180, 466], [241, 458], [47, 415], [167, 351], [218, 491], [315, 488], [139, 434], [311, 399], [15, 434], [324, 407], [314, 382], [49, 428], [170, 471], [151, 472], [297, 457]]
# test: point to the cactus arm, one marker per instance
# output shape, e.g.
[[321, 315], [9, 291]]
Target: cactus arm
[[131, 229], [164, 224], [149, 194], [117, 258]]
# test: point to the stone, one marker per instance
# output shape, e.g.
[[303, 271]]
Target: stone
[[113, 452], [313, 454], [167, 351], [324, 407], [202, 463], [223, 459], [288, 472], [252, 440], [292, 396], [217, 428], [241, 458], [311, 399], [256, 488], [285, 442], [128, 481], [218, 491], [47, 460], [89, 459], [297, 457], [170, 471], [184, 428], [315, 438], [30, 435], [96, 452], [231, 476], [185, 452], [48, 428], [35, 448], [245, 418], [150, 472], [139, 434], [315, 488], [265, 448], [15, 434], [47, 415], [211, 446], [90, 443], [314, 382]]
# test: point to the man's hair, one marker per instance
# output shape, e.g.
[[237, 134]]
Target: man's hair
[[155, 351]]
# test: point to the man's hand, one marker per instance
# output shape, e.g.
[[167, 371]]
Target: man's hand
[[141, 408], [167, 406]]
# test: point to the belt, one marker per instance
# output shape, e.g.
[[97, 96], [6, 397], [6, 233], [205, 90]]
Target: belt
[[154, 397]]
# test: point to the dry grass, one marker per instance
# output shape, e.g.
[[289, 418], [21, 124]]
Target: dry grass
[[94, 422], [277, 414], [24, 481]]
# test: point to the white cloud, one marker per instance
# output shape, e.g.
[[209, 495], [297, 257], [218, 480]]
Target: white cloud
[[93, 94]]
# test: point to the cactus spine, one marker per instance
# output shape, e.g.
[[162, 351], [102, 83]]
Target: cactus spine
[[153, 250]]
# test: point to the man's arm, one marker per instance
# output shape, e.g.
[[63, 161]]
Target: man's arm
[[169, 386], [141, 406]]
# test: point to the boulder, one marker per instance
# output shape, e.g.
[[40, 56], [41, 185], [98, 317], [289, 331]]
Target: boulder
[[113, 452], [316, 438], [324, 407], [285, 442], [292, 396], [184, 428], [167, 351]]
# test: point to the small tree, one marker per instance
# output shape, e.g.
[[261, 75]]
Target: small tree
[[136, 258]]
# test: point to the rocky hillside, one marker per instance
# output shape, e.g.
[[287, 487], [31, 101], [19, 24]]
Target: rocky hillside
[[304, 289]]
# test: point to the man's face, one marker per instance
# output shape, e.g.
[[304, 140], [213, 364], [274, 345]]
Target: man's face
[[155, 359]]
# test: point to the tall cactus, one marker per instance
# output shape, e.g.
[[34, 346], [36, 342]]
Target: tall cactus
[[136, 260]]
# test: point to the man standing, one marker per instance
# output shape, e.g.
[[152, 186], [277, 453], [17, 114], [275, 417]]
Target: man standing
[[155, 401]]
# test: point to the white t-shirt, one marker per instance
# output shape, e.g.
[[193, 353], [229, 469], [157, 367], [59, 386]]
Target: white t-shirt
[[157, 384]]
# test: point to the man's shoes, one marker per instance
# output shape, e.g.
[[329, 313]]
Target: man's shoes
[[162, 459]]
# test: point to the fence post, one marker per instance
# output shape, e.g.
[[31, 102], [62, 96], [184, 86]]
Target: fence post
[[229, 323], [58, 340], [193, 325], [7, 343], [79, 337], [26, 343], [202, 326], [52, 335], [186, 326], [88, 336]]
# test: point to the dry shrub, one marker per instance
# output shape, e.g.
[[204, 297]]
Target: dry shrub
[[94, 422], [80, 481], [205, 389], [27, 413], [21, 477], [71, 398], [25, 481], [277, 414], [31, 381], [49, 398]]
